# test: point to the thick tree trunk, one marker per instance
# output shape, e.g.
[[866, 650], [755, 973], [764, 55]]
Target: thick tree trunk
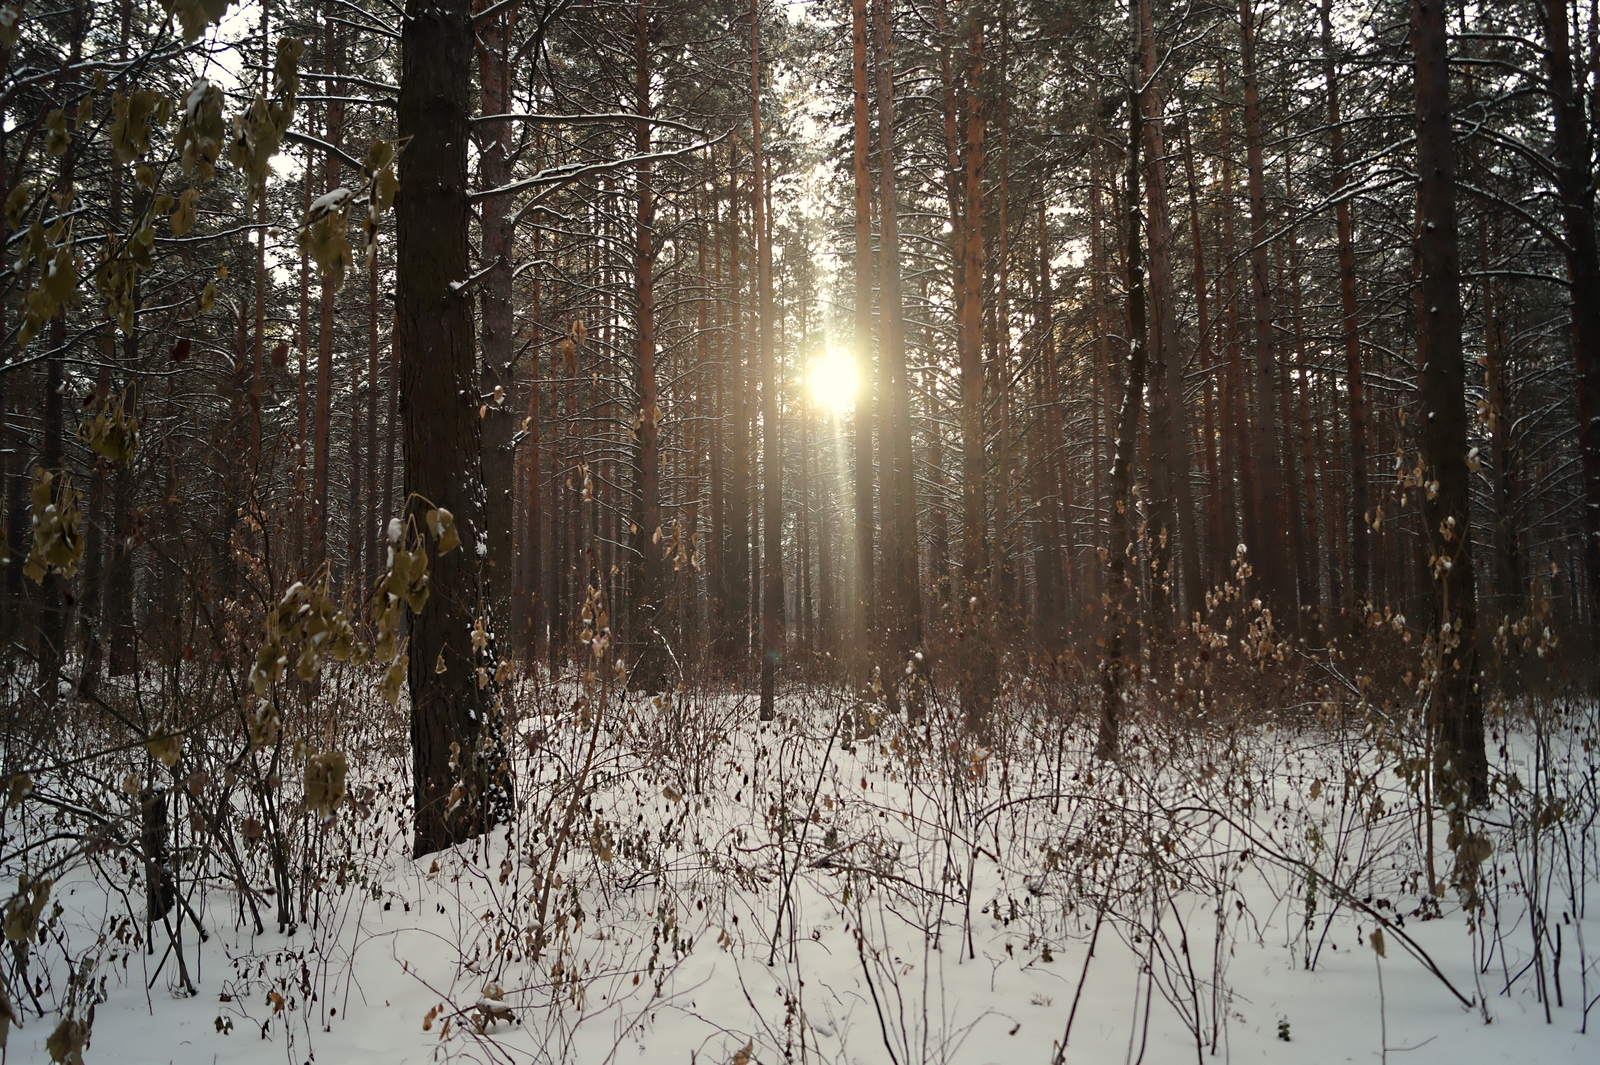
[[1447, 564], [452, 717], [1576, 189]]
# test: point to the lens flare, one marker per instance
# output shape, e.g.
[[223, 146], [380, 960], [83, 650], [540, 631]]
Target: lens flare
[[833, 380]]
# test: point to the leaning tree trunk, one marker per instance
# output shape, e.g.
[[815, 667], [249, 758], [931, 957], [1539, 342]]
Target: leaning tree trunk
[[439, 415], [1457, 706]]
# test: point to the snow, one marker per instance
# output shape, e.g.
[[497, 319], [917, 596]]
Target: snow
[[329, 200], [723, 870], [197, 95]]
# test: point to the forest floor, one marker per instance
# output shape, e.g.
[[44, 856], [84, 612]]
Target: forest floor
[[832, 887]]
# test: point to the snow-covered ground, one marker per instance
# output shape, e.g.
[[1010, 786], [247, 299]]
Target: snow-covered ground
[[829, 888]]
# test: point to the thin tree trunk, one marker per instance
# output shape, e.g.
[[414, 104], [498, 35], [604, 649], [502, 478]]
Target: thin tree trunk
[[1119, 589], [334, 133], [497, 382], [1311, 588], [772, 622], [1168, 409], [1355, 381], [903, 603], [977, 689], [1217, 539], [1269, 551], [1505, 580], [1236, 441], [737, 604], [648, 594], [535, 593], [1054, 576], [863, 600]]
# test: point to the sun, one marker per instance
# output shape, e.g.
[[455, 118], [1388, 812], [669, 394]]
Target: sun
[[833, 381]]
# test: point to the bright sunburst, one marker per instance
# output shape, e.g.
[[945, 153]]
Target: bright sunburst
[[833, 380]]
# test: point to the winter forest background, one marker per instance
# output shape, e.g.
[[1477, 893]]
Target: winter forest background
[[895, 531]]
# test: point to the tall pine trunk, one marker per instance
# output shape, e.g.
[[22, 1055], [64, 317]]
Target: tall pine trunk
[[451, 715], [496, 375], [1269, 551], [903, 599], [863, 600], [647, 596], [1119, 589], [1576, 189], [771, 433], [1355, 378], [1457, 706]]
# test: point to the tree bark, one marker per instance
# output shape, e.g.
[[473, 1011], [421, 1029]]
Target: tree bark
[[1575, 186], [903, 601], [647, 596], [771, 432], [1119, 590], [451, 715], [863, 600], [978, 670], [1269, 552], [497, 382], [334, 131], [1217, 540], [736, 571], [1173, 498], [1460, 760], [1054, 574], [1355, 379]]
